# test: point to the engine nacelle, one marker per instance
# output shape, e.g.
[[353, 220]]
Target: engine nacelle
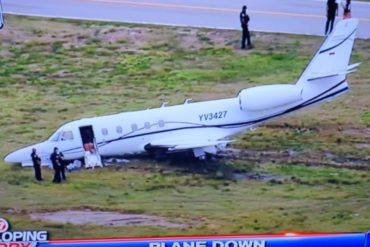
[[269, 97]]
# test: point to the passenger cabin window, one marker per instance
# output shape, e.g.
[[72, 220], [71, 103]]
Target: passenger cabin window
[[67, 135], [104, 131], [161, 123], [133, 127], [147, 125], [119, 129]]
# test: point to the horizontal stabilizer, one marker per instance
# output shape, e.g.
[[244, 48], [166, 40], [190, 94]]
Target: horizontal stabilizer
[[350, 69], [353, 66], [318, 77]]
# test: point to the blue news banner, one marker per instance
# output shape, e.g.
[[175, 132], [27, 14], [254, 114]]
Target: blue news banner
[[285, 240]]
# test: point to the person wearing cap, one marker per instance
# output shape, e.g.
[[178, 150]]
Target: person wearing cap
[[55, 160], [36, 160], [244, 20]]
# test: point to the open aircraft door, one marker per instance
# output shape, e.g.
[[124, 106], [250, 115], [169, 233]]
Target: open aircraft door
[[92, 157]]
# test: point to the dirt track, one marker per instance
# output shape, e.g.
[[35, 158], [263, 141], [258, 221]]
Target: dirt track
[[291, 157], [85, 217]]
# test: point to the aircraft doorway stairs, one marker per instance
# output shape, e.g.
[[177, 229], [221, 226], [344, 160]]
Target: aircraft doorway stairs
[[92, 157]]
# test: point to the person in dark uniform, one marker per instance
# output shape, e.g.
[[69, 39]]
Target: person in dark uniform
[[62, 166], [331, 12], [244, 20], [55, 160], [36, 160]]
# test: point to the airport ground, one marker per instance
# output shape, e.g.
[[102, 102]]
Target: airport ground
[[304, 172]]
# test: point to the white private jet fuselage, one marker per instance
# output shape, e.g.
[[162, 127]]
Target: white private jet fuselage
[[205, 127]]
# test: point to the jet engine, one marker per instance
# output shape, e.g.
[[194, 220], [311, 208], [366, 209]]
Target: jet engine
[[269, 97]]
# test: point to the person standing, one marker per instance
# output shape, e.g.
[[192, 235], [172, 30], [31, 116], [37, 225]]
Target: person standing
[[244, 21], [36, 160], [62, 166], [331, 12], [55, 160], [346, 5]]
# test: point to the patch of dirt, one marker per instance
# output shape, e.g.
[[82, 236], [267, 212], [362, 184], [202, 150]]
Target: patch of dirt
[[357, 132], [84, 217], [132, 38], [259, 176], [292, 157], [363, 145]]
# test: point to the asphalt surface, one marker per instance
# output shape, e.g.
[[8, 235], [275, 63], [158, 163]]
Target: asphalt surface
[[285, 16]]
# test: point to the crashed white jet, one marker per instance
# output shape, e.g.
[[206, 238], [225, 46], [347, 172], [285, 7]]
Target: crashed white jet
[[203, 127]]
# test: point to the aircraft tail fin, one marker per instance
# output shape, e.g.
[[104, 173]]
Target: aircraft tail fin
[[330, 63]]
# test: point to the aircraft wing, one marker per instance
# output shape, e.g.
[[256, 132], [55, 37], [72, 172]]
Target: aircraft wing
[[45, 163], [178, 145]]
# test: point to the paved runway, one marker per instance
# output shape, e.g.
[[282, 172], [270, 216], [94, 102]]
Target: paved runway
[[286, 16]]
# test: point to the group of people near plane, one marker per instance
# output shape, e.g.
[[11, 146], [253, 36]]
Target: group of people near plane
[[58, 162], [57, 158], [331, 12]]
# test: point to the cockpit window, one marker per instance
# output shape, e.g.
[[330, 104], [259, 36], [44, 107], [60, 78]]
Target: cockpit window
[[55, 137], [67, 135]]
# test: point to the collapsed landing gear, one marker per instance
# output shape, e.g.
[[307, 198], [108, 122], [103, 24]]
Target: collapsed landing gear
[[203, 157], [199, 153], [159, 155], [204, 153]]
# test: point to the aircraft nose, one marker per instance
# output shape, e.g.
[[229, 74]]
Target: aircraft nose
[[18, 156]]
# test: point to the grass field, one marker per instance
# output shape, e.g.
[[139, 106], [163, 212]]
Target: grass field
[[53, 71]]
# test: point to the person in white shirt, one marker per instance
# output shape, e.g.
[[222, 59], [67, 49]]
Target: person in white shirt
[[346, 5]]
